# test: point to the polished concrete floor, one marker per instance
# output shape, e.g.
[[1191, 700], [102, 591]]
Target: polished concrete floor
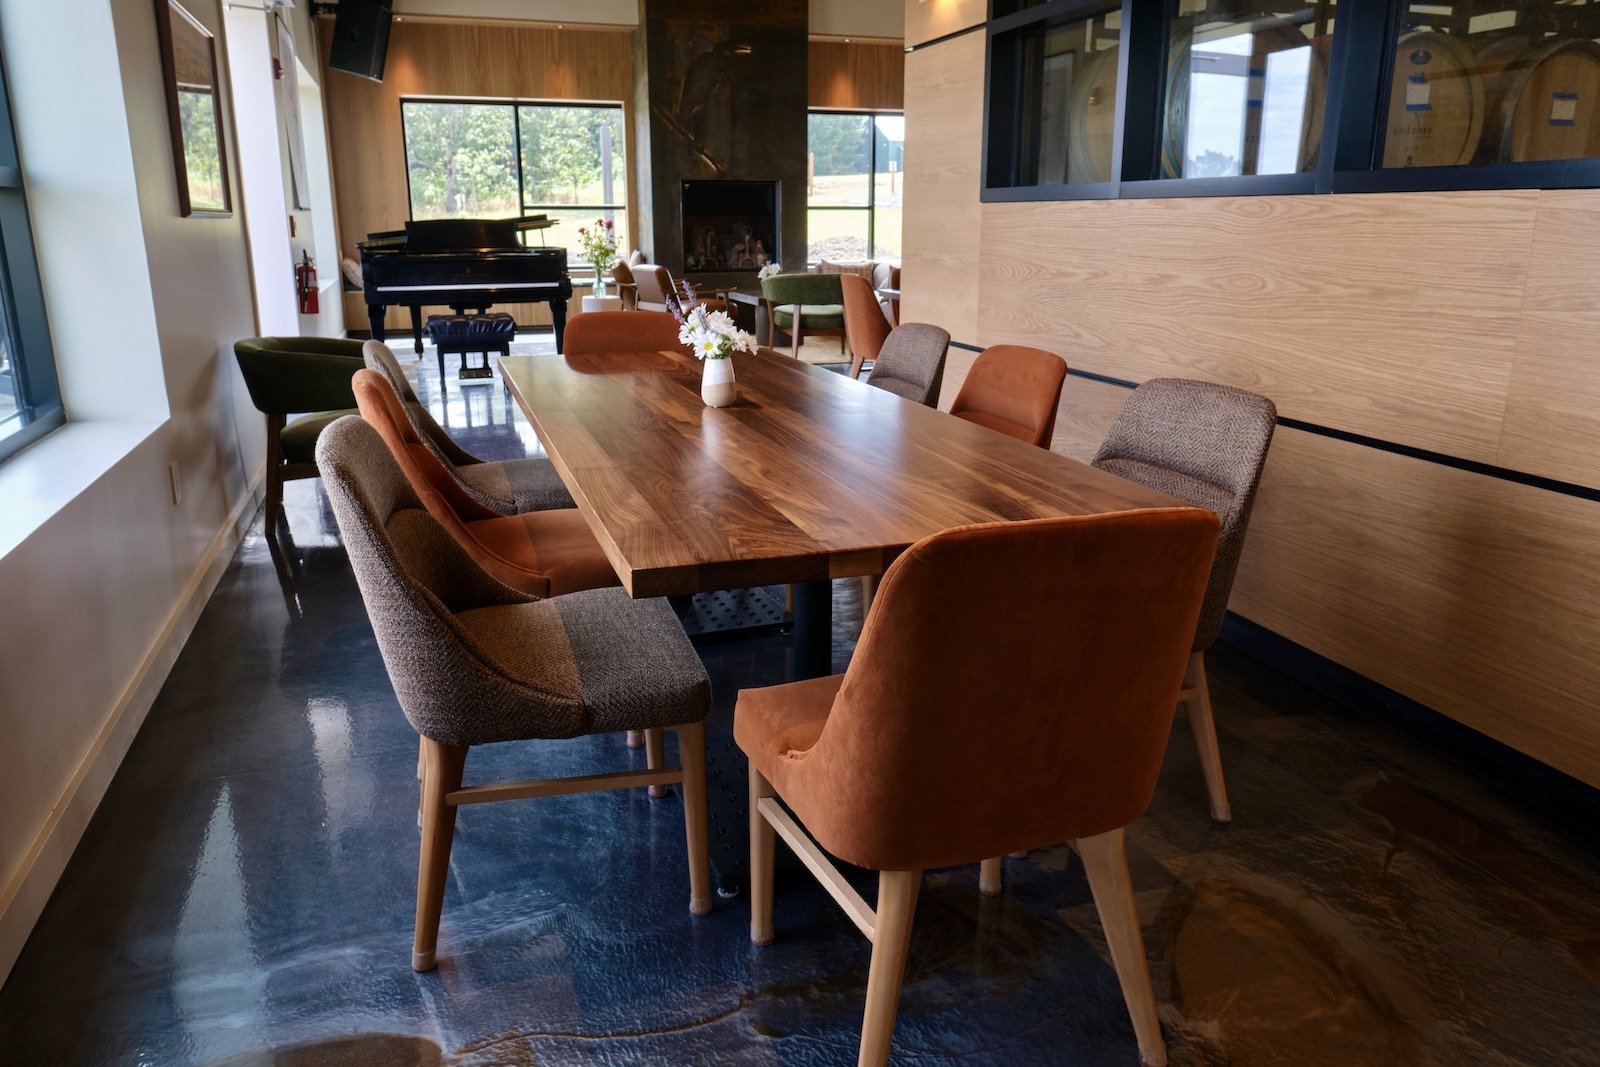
[[244, 894]]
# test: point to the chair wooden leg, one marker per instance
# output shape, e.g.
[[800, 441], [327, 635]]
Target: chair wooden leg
[[274, 507], [989, 877], [897, 903], [1105, 861], [1203, 724], [856, 361], [692, 757], [794, 334], [763, 840], [655, 758], [635, 738], [441, 774], [869, 589]]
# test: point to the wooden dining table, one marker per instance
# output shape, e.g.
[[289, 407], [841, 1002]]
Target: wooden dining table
[[807, 477]]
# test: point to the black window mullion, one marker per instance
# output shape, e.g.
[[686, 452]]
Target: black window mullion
[[1357, 88]]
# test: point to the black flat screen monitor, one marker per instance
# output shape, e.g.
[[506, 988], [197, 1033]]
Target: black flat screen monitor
[[361, 37]]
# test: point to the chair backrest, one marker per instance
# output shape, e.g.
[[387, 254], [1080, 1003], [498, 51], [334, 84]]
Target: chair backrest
[[413, 578], [864, 325], [289, 375], [1014, 389], [430, 478], [807, 290], [911, 362], [627, 288], [1038, 713], [654, 286], [1202, 443], [599, 332], [380, 357]]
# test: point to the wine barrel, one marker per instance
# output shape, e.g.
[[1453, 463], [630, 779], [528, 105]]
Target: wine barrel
[[1093, 118], [1265, 41], [1436, 103], [1549, 104]]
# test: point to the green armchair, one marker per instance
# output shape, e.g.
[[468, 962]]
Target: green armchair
[[307, 377], [803, 304]]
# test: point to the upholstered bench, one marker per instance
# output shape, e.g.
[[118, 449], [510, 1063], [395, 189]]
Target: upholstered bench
[[469, 334]]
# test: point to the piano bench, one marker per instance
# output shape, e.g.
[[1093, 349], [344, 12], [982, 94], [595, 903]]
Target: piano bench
[[466, 334]]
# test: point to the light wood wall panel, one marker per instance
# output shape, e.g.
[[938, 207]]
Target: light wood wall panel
[[1476, 596], [869, 76], [942, 219], [456, 59], [1392, 316], [930, 19]]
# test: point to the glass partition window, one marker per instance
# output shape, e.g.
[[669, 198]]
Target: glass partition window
[[855, 178], [498, 160], [1518, 84], [1245, 89]]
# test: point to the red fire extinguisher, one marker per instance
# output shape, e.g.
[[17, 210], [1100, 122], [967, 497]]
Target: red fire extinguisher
[[305, 283]]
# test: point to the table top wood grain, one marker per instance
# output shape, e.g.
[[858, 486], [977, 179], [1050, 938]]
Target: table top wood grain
[[808, 475]]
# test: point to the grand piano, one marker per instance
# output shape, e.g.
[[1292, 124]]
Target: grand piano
[[463, 264]]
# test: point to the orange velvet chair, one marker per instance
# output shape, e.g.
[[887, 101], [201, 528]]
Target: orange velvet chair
[[1040, 715], [599, 332], [864, 325], [540, 553], [1014, 389]]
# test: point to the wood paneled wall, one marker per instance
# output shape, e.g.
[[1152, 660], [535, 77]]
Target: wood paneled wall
[[1461, 323], [930, 19], [454, 59], [865, 75]]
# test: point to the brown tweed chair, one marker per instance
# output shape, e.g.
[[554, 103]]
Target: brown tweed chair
[[1205, 444], [599, 332], [507, 486], [473, 663], [911, 363], [307, 377], [1013, 389], [1040, 715], [540, 553], [864, 324]]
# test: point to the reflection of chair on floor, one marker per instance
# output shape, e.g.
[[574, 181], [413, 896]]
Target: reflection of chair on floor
[[1013, 389], [802, 304], [1039, 715], [864, 324], [475, 663], [287, 376], [1205, 444], [507, 486]]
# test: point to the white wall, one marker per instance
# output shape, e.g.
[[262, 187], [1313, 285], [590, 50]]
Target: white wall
[[144, 307]]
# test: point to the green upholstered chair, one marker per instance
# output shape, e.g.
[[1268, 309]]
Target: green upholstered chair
[[304, 377], [803, 304]]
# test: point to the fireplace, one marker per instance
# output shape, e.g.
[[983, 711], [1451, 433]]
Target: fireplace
[[729, 226]]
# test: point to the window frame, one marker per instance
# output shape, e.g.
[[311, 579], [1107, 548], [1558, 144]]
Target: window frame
[[575, 254], [1353, 118], [33, 373], [871, 206]]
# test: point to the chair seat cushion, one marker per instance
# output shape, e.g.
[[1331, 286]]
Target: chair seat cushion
[[557, 544], [778, 725], [515, 486], [588, 662], [812, 317], [496, 326], [298, 442]]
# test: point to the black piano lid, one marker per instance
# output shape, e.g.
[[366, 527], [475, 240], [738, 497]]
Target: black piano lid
[[457, 235]]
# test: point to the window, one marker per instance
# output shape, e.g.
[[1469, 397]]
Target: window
[[854, 184], [496, 160], [30, 399], [1101, 98]]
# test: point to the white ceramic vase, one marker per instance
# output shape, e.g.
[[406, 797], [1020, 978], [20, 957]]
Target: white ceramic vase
[[716, 382]]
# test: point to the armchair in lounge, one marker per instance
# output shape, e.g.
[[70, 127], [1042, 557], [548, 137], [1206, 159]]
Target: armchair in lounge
[[801, 304]]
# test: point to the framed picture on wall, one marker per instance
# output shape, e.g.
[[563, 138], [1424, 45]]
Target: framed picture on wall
[[194, 111]]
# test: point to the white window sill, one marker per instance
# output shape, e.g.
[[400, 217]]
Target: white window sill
[[48, 475]]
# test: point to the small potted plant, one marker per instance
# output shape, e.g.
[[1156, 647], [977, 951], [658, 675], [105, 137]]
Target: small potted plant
[[599, 245], [714, 338]]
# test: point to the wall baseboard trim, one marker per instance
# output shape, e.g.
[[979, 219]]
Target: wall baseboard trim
[[1505, 770], [23, 899]]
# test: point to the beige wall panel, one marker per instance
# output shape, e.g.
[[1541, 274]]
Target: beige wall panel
[[464, 60], [942, 217], [856, 75], [1388, 315], [1475, 596], [1552, 421], [928, 19], [1087, 411]]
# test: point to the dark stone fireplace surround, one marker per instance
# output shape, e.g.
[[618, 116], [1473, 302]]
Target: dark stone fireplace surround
[[720, 96]]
